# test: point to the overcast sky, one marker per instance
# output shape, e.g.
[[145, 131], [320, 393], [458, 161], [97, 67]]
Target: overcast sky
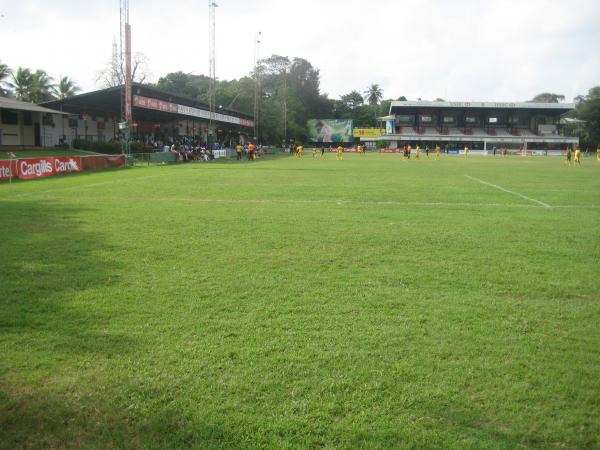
[[502, 50]]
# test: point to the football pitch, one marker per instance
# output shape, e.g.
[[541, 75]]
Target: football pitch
[[286, 303]]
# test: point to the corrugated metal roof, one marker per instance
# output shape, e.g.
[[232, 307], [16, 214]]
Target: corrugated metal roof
[[11, 103]]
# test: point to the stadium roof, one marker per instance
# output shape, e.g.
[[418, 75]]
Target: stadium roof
[[11, 103], [108, 102], [487, 105]]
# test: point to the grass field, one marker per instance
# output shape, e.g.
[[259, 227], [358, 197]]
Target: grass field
[[285, 303]]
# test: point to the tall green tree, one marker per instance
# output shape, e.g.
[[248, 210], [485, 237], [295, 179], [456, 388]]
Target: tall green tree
[[65, 88], [42, 87], [21, 84], [548, 97], [5, 74], [352, 100], [373, 94], [588, 110], [31, 86]]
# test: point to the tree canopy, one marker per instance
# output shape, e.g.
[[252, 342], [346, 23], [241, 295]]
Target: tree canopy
[[548, 97], [588, 110]]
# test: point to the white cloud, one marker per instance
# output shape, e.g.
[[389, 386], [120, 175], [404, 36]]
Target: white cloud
[[459, 50]]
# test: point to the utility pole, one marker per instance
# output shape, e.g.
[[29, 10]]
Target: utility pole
[[256, 84], [212, 6]]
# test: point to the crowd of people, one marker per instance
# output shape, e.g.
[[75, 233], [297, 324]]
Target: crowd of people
[[186, 148]]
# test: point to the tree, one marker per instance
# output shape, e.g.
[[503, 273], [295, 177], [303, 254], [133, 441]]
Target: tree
[[186, 84], [42, 87], [547, 97], [588, 110], [401, 99], [373, 94], [22, 81], [113, 74], [5, 73], [352, 100], [65, 88]]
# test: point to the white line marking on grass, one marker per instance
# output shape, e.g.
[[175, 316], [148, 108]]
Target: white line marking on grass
[[545, 205], [90, 185], [338, 202]]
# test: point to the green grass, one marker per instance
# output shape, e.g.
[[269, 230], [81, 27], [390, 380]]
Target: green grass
[[285, 303], [41, 153]]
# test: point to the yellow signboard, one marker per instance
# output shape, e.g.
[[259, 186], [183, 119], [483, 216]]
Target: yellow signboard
[[367, 132]]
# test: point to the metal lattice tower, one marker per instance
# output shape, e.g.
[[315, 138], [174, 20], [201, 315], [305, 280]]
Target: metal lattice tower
[[212, 6], [124, 20], [124, 71], [256, 83]]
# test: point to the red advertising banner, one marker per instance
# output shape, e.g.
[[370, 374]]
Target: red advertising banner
[[45, 167], [30, 168], [152, 103], [102, 162], [8, 169], [391, 150], [128, 89]]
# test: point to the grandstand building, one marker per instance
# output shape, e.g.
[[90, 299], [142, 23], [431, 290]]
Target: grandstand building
[[478, 125], [95, 116]]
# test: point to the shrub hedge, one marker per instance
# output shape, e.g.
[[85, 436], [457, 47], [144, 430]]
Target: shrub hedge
[[108, 148]]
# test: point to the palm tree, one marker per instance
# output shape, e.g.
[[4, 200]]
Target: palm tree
[[22, 81], [373, 94], [5, 72], [65, 88], [42, 87]]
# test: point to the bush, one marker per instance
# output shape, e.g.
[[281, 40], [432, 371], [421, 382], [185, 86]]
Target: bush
[[107, 148], [382, 144], [138, 147]]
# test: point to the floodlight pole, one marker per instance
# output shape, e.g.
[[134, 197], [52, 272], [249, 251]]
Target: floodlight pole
[[256, 83], [124, 71], [212, 5]]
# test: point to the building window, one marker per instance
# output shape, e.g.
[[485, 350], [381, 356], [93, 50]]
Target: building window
[[10, 117], [27, 118]]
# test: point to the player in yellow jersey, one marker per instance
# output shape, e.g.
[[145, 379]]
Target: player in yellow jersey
[[578, 156], [340, 152], [437, 152], [417, 152], [300, 151], [314, 152], [238, 150], [466, 151], [598, 153]]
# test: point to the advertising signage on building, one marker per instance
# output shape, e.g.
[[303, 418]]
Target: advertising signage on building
[[329, 130], [368, 132], [160, 105]]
